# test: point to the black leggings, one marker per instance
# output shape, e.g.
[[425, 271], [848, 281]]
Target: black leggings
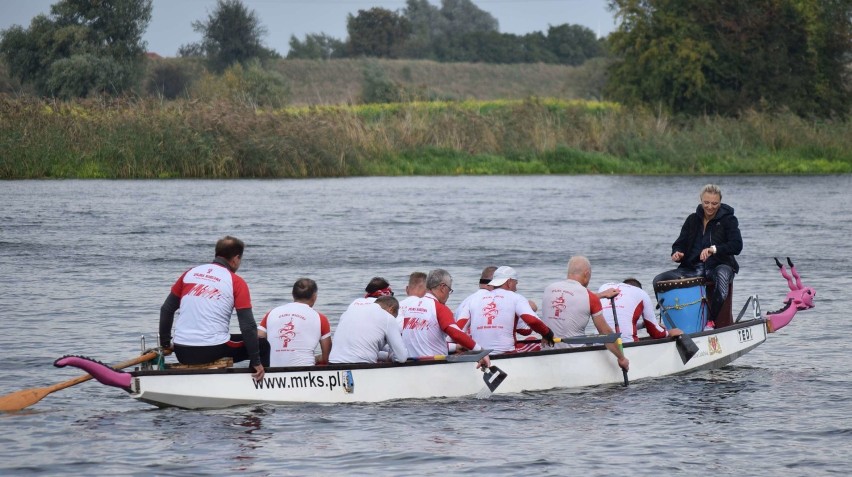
[[235, 348]]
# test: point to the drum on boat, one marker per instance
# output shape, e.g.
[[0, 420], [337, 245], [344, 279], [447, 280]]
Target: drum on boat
[[683, 303]]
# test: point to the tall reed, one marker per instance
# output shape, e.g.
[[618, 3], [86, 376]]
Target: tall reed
[[146, 138]]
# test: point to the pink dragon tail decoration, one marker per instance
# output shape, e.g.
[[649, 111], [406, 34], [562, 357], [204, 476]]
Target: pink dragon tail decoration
[[98, 370], [800, 297]]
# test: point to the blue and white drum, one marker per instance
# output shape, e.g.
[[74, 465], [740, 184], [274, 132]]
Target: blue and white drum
[[683, 303]]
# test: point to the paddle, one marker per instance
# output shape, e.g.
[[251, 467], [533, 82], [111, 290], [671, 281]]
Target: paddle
[[686, 348], [589, 339], [455, 358], [493, 376], [27, 397], [618, 340], [742, 312]]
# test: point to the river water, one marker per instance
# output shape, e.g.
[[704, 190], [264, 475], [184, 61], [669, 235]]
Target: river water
[[88, 263]]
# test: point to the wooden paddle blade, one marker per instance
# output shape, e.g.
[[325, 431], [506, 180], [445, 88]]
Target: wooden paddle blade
[[22, 399], [686, 348], [25, 398]]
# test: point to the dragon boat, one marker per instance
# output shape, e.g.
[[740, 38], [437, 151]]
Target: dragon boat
[[454, 376]]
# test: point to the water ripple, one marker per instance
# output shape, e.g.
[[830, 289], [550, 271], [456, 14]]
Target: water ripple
[[87, 269]]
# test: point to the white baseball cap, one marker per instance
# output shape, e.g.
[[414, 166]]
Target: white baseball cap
[[502, 275]]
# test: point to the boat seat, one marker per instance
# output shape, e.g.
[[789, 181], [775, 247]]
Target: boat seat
[[219, 363]]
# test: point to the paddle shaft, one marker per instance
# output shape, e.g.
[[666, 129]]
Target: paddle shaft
[[592, 339], [454, 358], [27, 397], [618, 341]]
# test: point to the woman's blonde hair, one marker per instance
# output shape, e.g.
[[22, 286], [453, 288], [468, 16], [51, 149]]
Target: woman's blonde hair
[[711, 189]]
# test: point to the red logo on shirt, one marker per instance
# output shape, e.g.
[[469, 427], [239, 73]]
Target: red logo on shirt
[[490, 312], [415, 324], [558, 305], [286, 333], [205, 291]]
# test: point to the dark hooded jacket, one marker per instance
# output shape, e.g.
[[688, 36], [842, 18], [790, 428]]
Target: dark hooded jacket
[[724, 234]]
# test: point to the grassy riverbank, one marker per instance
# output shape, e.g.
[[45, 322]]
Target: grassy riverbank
[[188, 139]]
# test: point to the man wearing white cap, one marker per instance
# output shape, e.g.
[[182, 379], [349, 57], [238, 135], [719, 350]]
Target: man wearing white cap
[[493, 314], [484, 284], [568, 305]]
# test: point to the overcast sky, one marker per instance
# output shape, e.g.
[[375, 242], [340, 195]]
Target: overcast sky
[[171, 20]]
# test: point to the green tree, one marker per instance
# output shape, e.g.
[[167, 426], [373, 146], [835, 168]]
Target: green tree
[[7, 83], [82, 48], [437, 32], [231, 34], [573, 44], [428, 27], [494, 47], [81, 74], [191, 50], [726, 56], [317, 47], [463, 17], [376, 32]]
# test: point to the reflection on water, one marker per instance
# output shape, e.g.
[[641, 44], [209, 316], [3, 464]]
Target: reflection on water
[[251, 440], [234, 435]]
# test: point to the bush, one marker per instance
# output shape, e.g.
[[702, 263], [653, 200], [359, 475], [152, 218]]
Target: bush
[[251, 86], [169, 79], [84, 75], [377, 87]]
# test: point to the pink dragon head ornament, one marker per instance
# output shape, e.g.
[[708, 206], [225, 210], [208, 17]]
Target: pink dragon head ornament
[[799, 298]]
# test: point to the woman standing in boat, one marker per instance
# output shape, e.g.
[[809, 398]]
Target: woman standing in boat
[[706, 247]]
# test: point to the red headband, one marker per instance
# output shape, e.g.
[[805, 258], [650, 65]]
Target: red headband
[[382, 292]]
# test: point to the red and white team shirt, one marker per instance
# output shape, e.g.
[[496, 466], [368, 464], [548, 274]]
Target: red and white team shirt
[[425, 324], [293, 331], [409, 301], [567, 307], [632, 305], [521, 327], [493, 314], [208, 295]]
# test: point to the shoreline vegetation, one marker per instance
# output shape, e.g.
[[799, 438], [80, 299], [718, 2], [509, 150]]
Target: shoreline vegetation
[[147, 138]]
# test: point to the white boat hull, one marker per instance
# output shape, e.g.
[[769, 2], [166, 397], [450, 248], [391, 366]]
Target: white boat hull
[[551, 369]]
